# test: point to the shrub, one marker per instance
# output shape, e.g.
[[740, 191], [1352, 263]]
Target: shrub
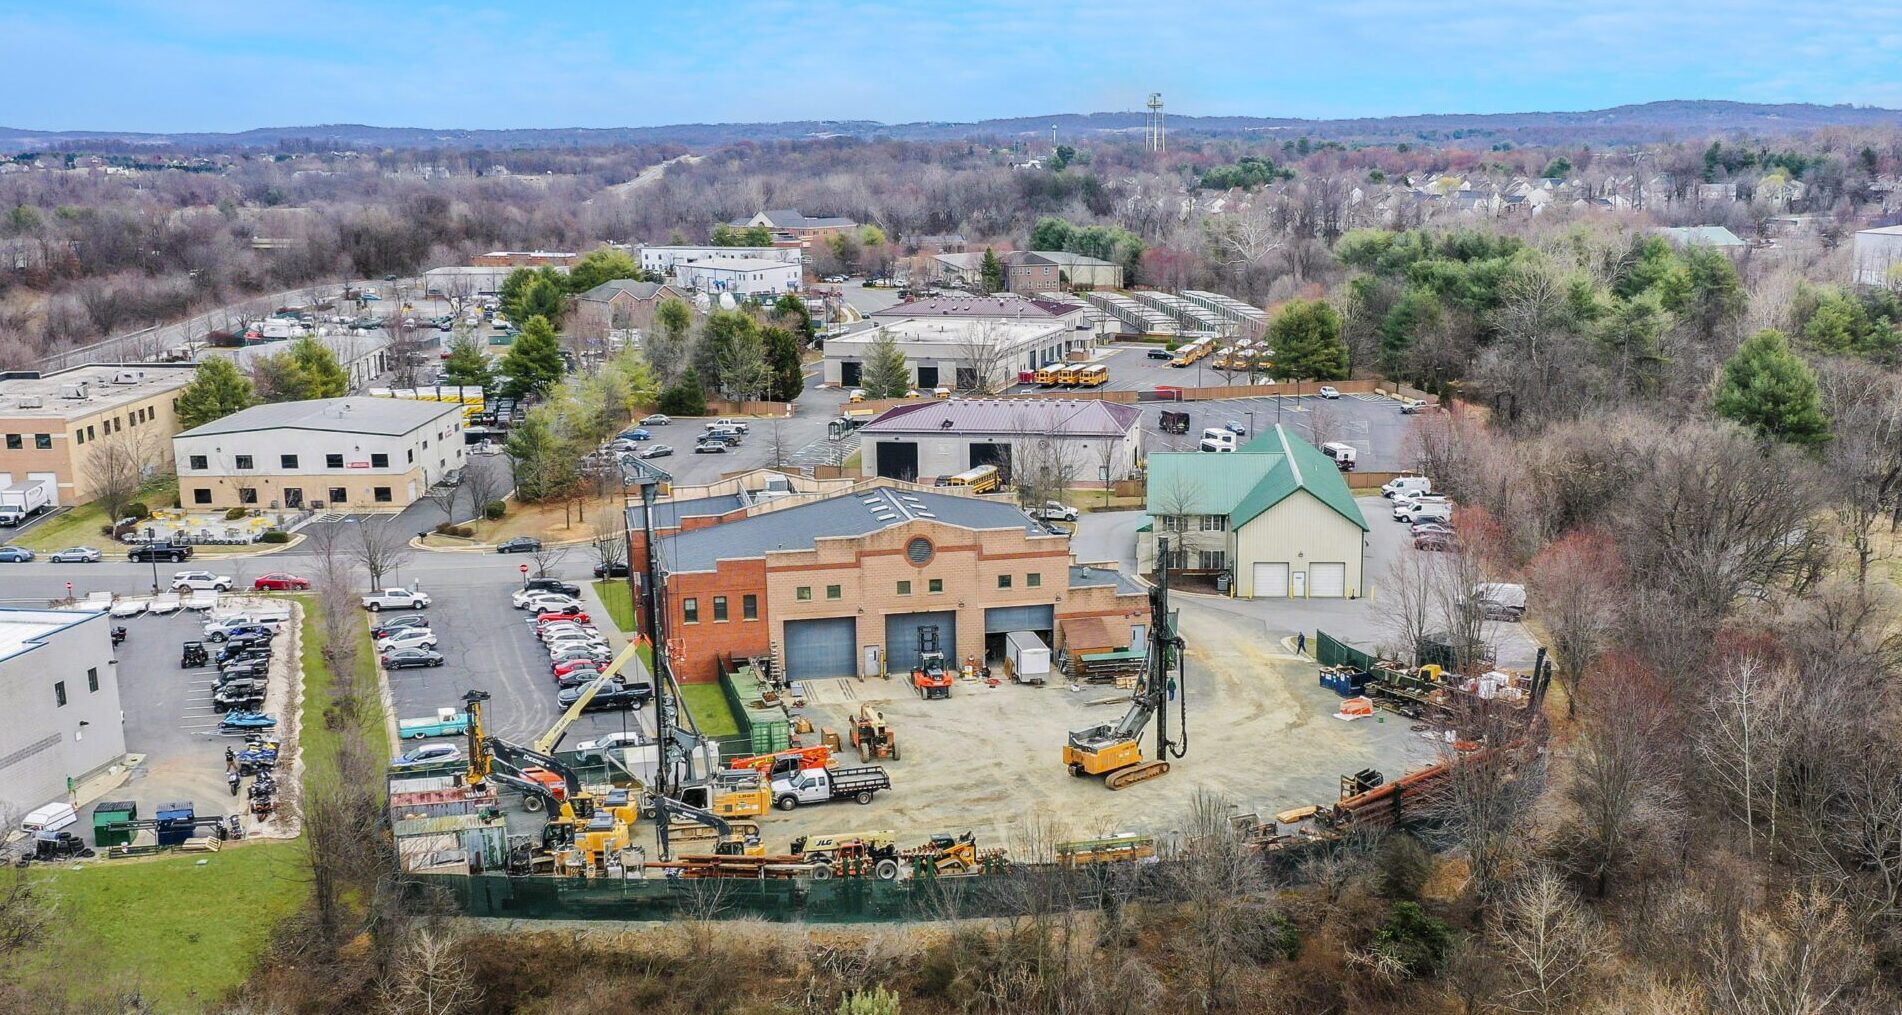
[[1412, 940], [494, 510], [275, 536], [1404, 866], [236, 513], [877, 1001], [450, 529], [137, 509]]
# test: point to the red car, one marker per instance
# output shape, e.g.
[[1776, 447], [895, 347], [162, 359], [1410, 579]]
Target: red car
[[563, 667], [278, 581], [545, 619]]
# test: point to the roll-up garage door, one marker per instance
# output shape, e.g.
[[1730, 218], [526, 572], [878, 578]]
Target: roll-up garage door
[[904, 632], [1327, 581], [1005, 619], [821, 648], [1271, 580]]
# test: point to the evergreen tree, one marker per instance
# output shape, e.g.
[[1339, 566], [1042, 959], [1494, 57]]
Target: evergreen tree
[[1306, 338], [1768, 388], [467, 364], [217, 390], [545, 465], [533, 364], [1706, 293], [886, 374], [668, 347], [791, 309], [993, 271], [782, 358], [1417, 311], [688, 397], [724, 340], [527, 292], [603, 265], [305, 370]]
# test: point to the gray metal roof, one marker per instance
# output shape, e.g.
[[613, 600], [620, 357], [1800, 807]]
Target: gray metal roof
[[1068, 417], [964, 305], [614, 287], [859, 514], [668, 513], [1082, 577], [360, 414]]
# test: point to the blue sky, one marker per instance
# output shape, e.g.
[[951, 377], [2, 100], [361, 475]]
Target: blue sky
[[221, 65]]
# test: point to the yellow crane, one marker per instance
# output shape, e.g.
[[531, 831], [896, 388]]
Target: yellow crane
[[545, 743]]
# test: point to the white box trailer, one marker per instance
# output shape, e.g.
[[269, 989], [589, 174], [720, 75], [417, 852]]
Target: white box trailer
[[1026, 658]]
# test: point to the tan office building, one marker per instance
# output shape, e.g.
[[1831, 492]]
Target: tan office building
[[53, 425], [337, 454]]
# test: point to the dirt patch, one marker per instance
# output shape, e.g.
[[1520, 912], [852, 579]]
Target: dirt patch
[[552, 522]]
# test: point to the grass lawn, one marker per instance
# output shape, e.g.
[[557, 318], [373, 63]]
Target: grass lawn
[[183, 934], [80, 526], [710, 711], [320, 742], [554, 522], [619, 600]]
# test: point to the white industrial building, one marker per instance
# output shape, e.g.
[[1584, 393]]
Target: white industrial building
[[742, 277], [1098, 441], [1878, 256], [355, 454], [952, 352], [63, 721], [664, 260]]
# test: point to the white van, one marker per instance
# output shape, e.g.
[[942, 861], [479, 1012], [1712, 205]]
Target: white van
[[50, 818], [1217, 439], [1425, 509], [1344, 455], [1420, 484]]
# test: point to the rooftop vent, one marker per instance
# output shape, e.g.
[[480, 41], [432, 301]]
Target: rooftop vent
[[128, 377], [32, 402], [77, 390]]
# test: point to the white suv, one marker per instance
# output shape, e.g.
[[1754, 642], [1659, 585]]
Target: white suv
[[196, 580]]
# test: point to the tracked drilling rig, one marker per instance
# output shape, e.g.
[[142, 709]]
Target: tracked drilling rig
[[1114, 750]]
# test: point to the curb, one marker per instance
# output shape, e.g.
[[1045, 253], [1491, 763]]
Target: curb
[[417, 544]]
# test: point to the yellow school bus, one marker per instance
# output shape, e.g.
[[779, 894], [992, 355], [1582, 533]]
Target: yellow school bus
[[1066, 376], [1047, 376], [982, 479], [1093, 376]]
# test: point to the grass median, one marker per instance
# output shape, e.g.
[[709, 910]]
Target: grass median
[[619, 600]]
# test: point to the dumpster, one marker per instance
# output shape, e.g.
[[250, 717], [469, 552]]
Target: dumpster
[[175, 822], [110, 813]]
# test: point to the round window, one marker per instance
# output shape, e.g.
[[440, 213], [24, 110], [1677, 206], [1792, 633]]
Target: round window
[[918, 551]]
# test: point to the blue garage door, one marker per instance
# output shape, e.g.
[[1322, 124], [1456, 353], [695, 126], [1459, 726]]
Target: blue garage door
[[1005, 619], [903, 632], [821, 648]]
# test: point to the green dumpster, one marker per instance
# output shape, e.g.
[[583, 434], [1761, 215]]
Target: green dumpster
[[108, 815]]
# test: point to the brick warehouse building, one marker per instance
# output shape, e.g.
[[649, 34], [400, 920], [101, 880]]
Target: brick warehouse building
[[862, 583]]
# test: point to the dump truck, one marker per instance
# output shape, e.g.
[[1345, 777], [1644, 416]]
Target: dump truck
[[823, 785]]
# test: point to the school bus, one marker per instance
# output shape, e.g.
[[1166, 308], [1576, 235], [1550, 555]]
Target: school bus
[[1066, 376], [1094, 376], [1047, 376], [982, 479], [1185, 355]]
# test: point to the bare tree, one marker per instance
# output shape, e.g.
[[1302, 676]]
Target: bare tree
[[1573, 585], [1622, 809], [1797, 957], [1482, 806], [1548, 944], [1742, 737], [546, 556], [1044, 463], [609, 543], [488, 479], [984, 345], [26, 907], [120, 463], [381, 548], [1178, 505], [778, 445], [1865, 455], [429, 977], [1225, 885]]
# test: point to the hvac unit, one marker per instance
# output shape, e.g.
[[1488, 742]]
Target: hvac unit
[[76, 390], [128, 377], [32, 402]]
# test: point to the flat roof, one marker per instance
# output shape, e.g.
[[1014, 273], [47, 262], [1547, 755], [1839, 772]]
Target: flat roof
[[348, 348], [854, 514], [102, 393], [960, 331], [739, 263], [359, 414], [668, 513], [22, 630], [1067, 417]]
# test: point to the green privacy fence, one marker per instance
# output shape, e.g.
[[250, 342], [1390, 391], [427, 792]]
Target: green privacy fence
[[1331, 651]]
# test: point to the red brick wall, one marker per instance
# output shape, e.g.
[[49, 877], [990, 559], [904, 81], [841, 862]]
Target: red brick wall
[[702, 645]]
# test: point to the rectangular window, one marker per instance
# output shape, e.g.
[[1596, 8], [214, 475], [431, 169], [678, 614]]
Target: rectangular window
[[1214, 523], [381, 494], [287, 461], [749, 607], [411, 452], [92, 678], [244, 462], [1033, 580], [904, 588], [201, 496], [59, 692], [803, 593], [935, 585], [333, 461], [1003, 581], [79, 436], [336, 495], [690, 610], [834, 592], [43, 441], [89, 434], [719, 608], [200, 462], [13, 442], [379, 461], [247, 495]]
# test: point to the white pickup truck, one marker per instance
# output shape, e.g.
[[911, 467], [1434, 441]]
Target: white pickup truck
[[1054, 511], [396, 599]]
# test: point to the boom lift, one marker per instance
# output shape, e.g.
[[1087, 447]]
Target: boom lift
[[547, 742], [598, 827], [1115, 750]]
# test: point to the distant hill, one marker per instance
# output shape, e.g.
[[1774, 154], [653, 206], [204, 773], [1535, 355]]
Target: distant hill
[[1650, 121]]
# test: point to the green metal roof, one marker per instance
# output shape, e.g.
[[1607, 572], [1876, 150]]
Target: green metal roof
[[1242, 485]]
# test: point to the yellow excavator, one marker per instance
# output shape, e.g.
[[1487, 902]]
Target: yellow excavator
[[1115, 750], [596, 827]]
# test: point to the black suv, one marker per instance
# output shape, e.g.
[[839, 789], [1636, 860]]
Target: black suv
[[613, 698], [146, 552], [618, 569], [553, 585]]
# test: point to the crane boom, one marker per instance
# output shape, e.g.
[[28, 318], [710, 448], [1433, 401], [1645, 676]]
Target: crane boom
[[547, 741]]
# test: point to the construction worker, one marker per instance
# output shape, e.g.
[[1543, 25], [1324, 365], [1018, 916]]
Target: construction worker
[[1301, 643]]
